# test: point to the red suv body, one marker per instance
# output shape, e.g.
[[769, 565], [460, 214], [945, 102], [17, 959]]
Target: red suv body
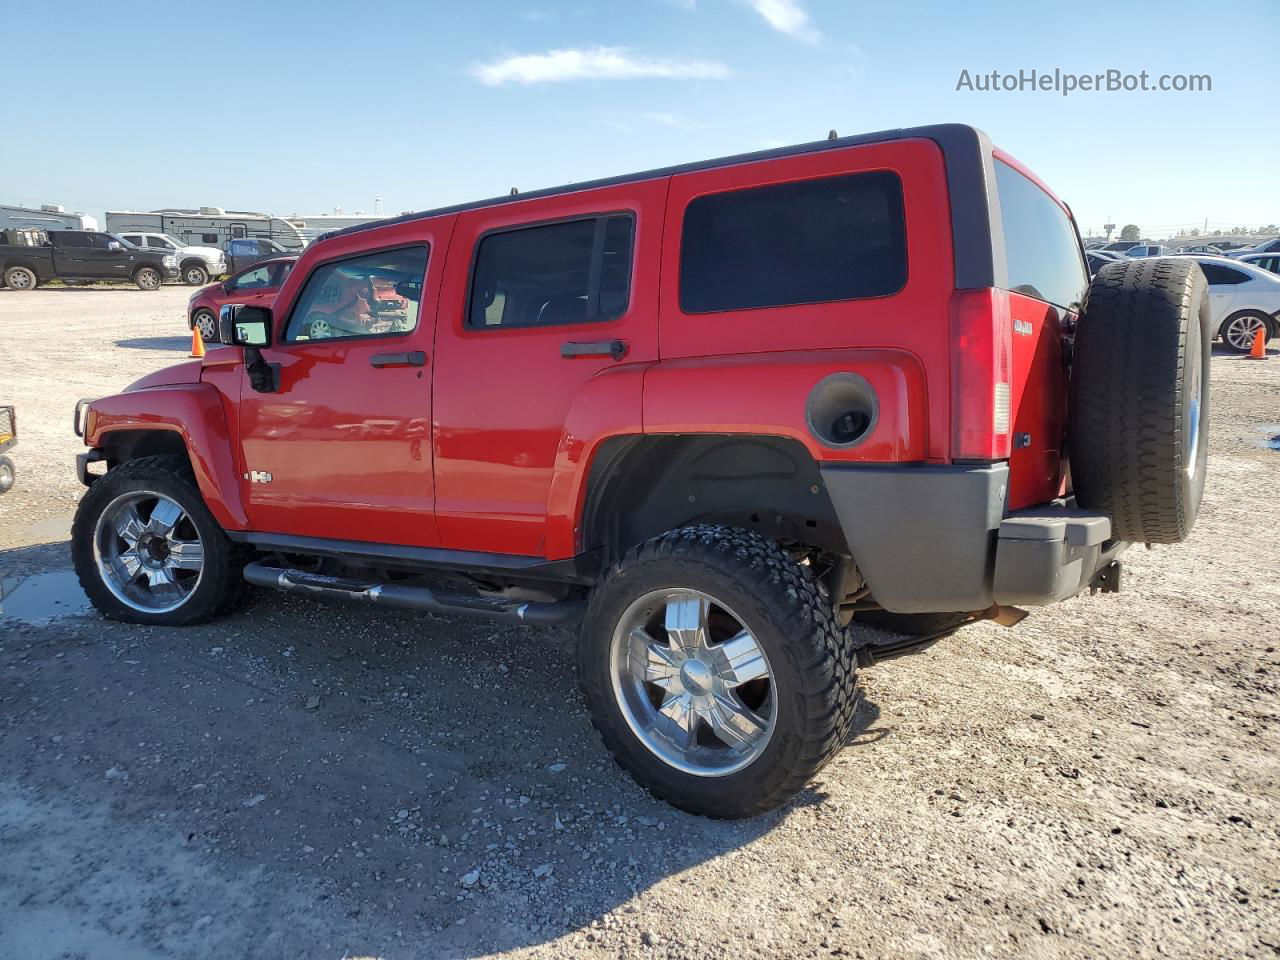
[[718, 410]]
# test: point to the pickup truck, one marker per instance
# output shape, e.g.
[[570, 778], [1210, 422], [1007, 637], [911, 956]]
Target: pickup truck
[[84, 255], [245, 251]]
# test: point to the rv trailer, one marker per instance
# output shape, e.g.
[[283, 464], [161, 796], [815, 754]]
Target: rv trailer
[[207, 226], [48, 216]]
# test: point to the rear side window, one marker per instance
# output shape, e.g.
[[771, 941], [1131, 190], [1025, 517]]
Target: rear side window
[[1217, 274], [1041, 249], [837, 238], [373, 295], [208, 238], [573, 272]]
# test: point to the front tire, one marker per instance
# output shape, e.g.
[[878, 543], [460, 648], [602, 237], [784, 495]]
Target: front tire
[[148, 278], [715, 671], [208, 324], [195, 275], [146, 549], [21, 278]]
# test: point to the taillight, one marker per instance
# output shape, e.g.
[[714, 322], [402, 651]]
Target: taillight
[[981, 375]]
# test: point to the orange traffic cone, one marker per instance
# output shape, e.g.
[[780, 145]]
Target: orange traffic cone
[[1259, 350], [197, 341]]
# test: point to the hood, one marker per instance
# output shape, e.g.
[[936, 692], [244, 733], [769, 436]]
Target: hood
[[207, 252], [185, 372]]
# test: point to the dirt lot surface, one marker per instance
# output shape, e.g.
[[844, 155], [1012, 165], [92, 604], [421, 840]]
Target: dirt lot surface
[[306, 780]]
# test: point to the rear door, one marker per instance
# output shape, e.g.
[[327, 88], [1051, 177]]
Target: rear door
[[538, 293]]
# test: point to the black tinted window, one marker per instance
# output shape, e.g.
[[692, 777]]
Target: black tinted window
[[208, 238], [1041, 248], [839, 238], [374, 295], [574, 272], [1216, 273], [69, 238]]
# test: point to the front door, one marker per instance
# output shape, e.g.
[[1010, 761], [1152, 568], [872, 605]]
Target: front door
[[537, 295], [343, 450], [92, 257]]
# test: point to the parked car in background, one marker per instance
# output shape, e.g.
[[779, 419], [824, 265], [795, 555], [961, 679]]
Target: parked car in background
[[1228, 246], [256, 285], [1120, 246], [1097, 259], [244, 251], [1263, 261], [84, 255], [1202, 248], [196, 265], [1146, 250], [1266, 246], [1243, 299]]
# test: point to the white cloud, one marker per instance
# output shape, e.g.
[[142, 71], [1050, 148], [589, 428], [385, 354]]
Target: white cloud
[[787, 16], [593, 63]]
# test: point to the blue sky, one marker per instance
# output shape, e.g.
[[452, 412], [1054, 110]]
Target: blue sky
[[301, 107]]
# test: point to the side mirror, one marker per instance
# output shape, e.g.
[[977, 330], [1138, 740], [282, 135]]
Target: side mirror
[[409, 290], [245, 326], [114, 246]]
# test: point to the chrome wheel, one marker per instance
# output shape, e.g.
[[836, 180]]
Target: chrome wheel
[[148, 552], [148, 280], [207, 324], [319, 329], [1241, 331], [693, 684], [196, 276]]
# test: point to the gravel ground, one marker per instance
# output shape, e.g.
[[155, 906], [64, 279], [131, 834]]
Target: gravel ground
[[307, 780]]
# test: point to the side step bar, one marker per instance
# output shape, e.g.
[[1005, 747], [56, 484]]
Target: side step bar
[[260, 574]]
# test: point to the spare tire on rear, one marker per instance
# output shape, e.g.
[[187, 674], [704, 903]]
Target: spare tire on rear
[[1139, 398]]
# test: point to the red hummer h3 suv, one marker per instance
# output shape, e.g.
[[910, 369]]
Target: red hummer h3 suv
[[717, 414]]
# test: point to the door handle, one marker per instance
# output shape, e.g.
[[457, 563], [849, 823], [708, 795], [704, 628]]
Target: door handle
[[595, 348], [415, 358]]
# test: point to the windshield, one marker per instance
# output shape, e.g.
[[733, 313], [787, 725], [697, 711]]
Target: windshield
[[123, 242], [172, 241]]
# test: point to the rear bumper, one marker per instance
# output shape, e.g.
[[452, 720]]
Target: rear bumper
[[933, 539]]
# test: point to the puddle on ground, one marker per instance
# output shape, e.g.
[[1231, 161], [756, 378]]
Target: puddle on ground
[[1271, 440], [42, 597]]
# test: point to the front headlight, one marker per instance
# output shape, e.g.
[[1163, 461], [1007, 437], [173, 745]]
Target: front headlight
[[170, 261]]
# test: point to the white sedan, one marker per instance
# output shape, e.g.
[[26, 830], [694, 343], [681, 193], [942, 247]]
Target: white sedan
[[1242, 300]]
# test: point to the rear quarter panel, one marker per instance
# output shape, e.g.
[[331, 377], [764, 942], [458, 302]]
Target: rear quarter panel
[[913, 321]]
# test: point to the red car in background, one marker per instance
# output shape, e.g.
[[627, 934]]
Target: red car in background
[[256, 285]]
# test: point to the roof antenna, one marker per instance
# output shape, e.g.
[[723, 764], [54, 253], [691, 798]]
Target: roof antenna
[[831, 135], [513, 192]]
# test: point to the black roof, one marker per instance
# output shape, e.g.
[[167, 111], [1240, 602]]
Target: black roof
[[943, 133], [976, 231]]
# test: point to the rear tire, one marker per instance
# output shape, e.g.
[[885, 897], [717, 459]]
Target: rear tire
[[119, 527], [21, 278], [734, 750], [8, 474], [195, 275], [1139, 410], [148, 278], [1239, 329]]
